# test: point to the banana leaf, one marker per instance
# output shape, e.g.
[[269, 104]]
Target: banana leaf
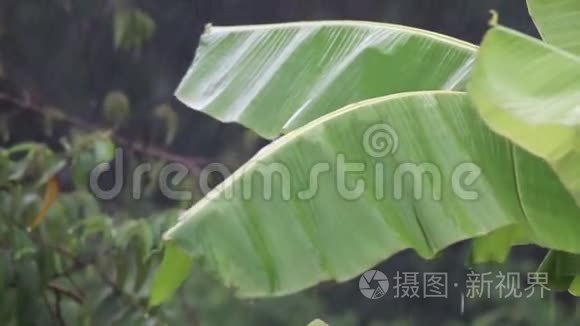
[[558, 22], [276, 78], [529, 92], [435, 174]]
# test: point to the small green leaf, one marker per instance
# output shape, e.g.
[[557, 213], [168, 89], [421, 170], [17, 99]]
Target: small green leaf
[[561, 269], [174, 269], [95, 225], [496, 246], [169, 117], [575, 287], [116, 107], [52, 169], [121, 23], [83, 163], [317, 322], [125, 233], [23, 147], [132, 28], [19, 168], [104, 150]]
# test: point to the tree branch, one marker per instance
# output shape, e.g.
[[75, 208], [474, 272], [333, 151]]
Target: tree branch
[[193, 164], [59, 290]]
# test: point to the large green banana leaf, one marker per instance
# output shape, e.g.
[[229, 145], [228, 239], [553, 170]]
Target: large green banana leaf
[[276, 78], [558, 22], [529, 92], [276, 239]]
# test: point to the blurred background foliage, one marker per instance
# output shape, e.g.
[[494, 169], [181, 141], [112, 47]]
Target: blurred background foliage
[[81, 78]]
